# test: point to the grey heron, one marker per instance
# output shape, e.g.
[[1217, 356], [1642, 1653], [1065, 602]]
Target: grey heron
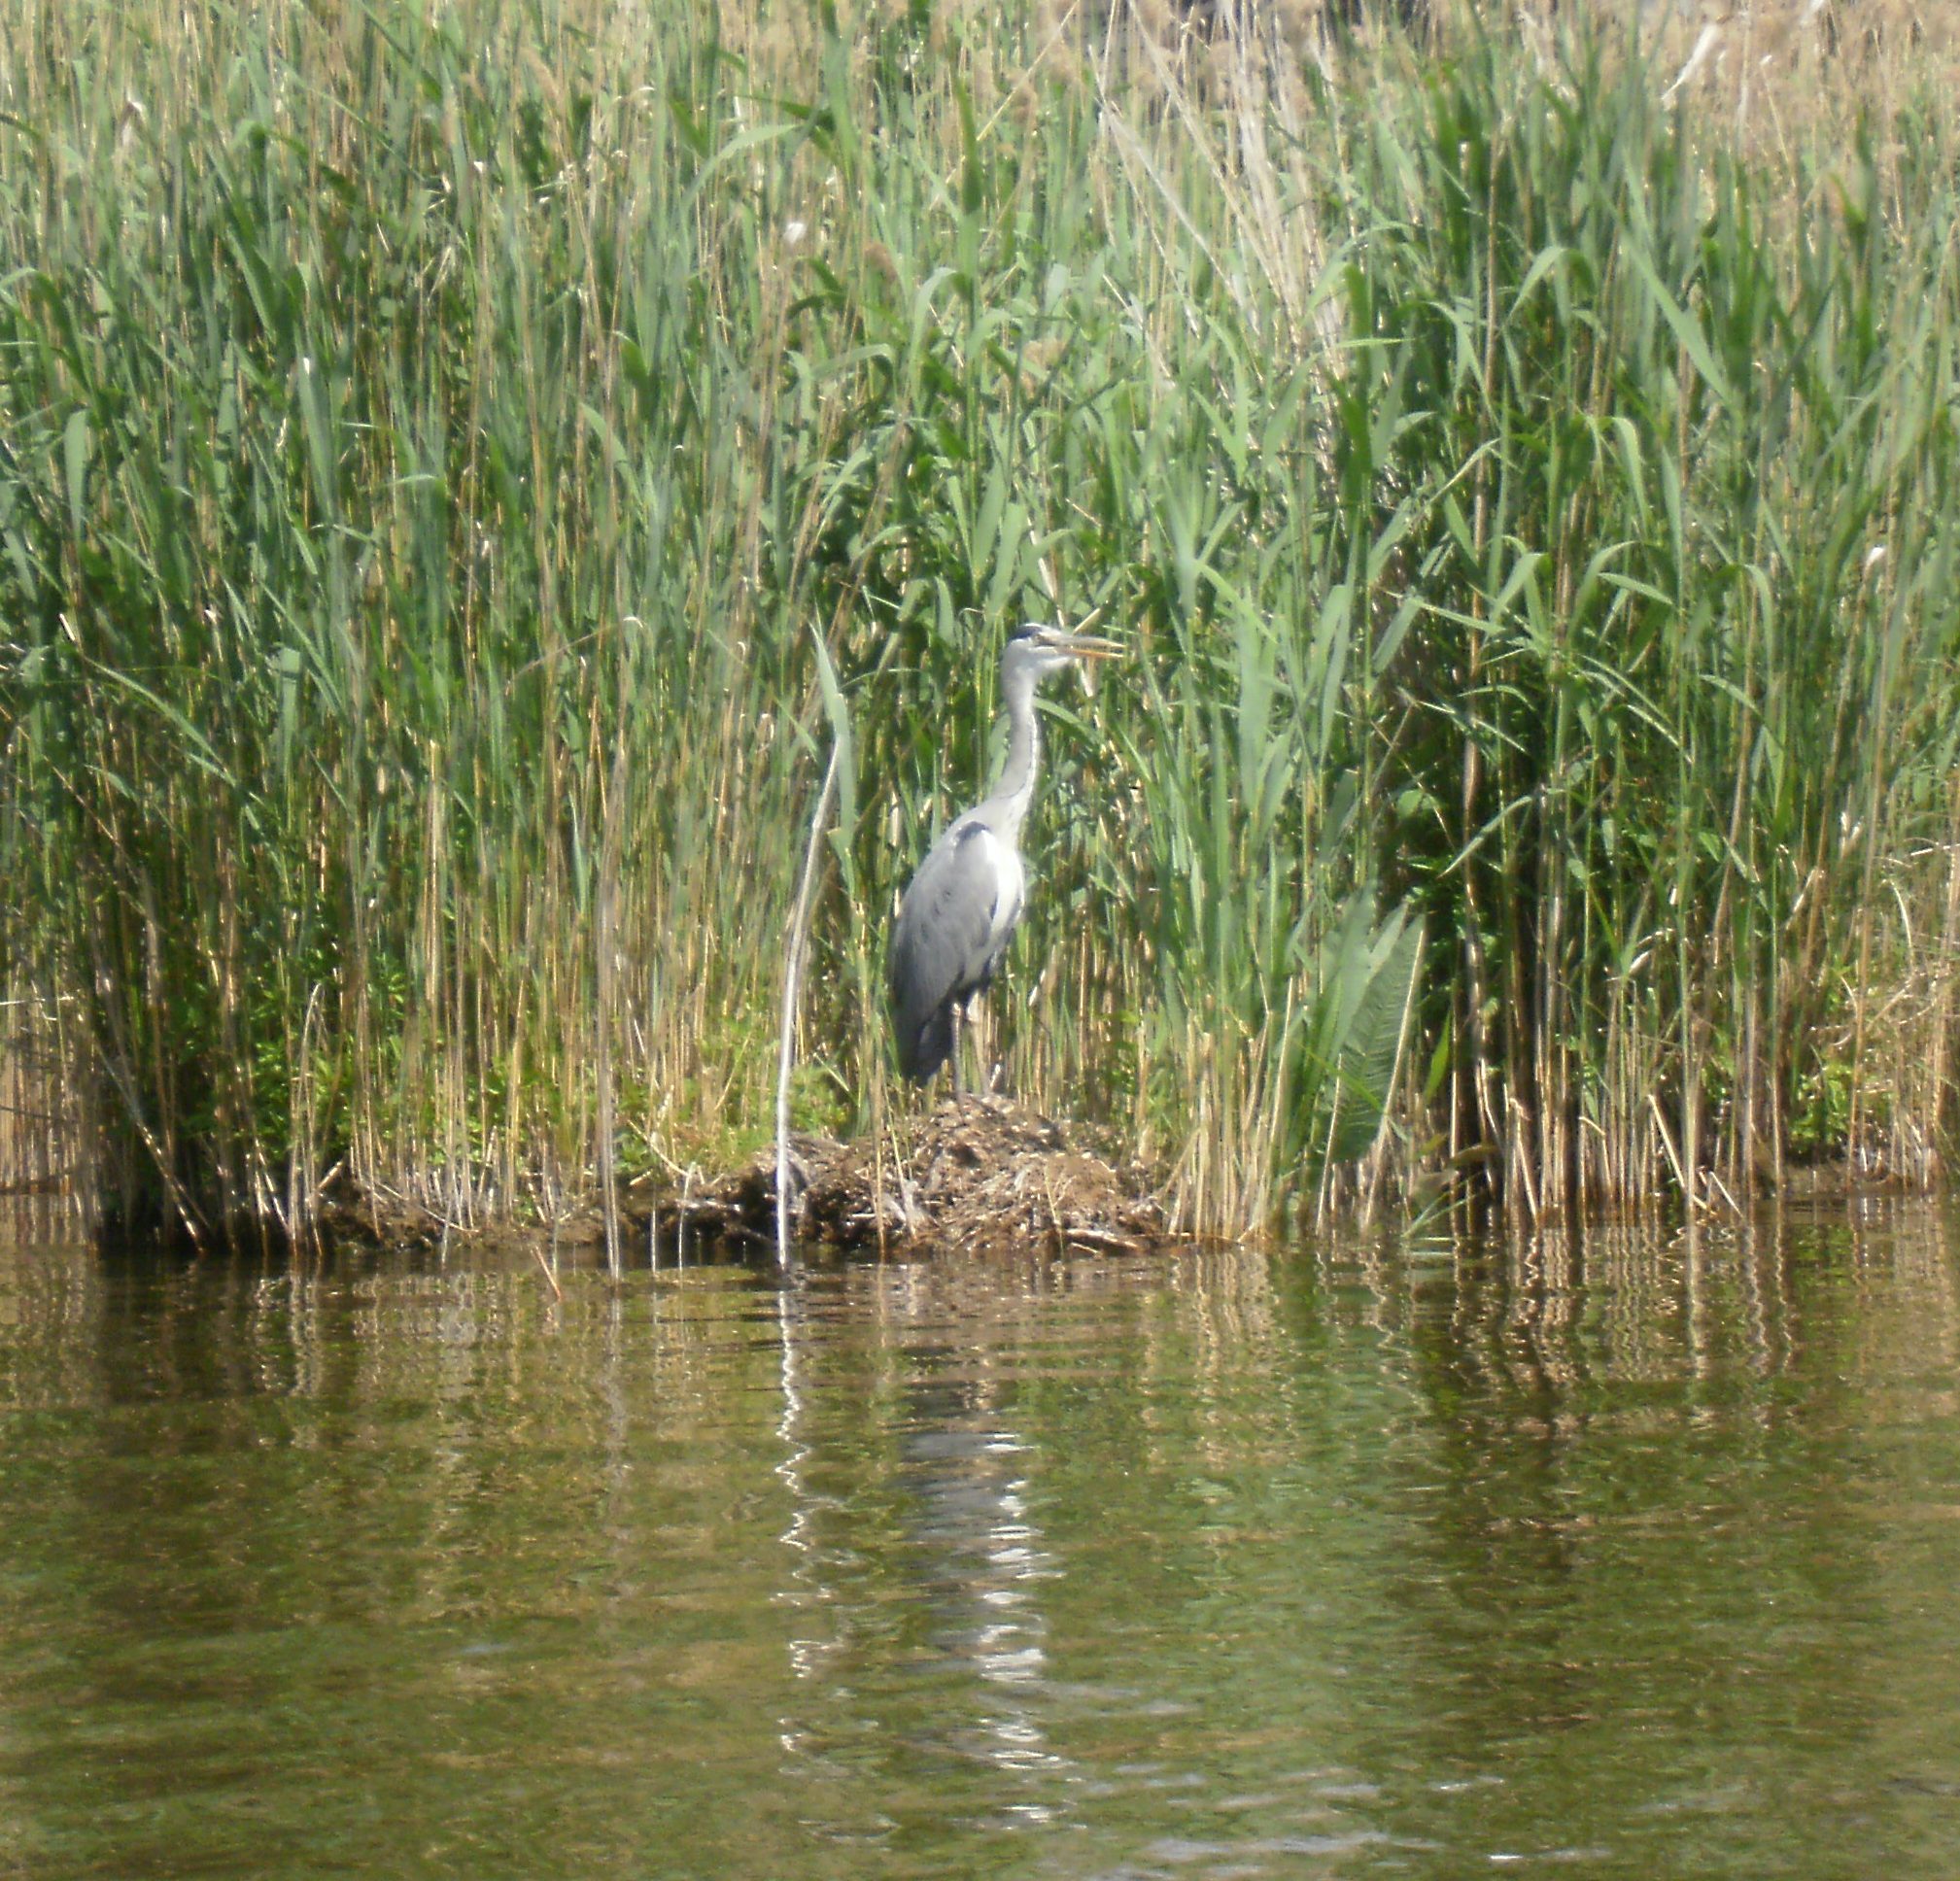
[[960, 912]]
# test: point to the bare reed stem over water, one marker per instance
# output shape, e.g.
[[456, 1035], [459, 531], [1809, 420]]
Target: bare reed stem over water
[[428, 437]]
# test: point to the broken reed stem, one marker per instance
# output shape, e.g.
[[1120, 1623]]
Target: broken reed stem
[[792, 975], [606, 926]]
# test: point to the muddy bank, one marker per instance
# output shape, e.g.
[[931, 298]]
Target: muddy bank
[[975, 1175]]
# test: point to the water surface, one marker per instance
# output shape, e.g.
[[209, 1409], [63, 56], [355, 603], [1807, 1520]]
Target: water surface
[[1630, 1556]]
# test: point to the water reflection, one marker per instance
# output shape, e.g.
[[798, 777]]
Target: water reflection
[[1632, 1552]]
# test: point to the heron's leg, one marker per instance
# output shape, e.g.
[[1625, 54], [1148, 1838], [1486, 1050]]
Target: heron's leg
[[958, 1012]]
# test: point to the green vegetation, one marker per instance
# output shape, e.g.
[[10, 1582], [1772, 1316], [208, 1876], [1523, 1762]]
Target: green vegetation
[[435, 444]]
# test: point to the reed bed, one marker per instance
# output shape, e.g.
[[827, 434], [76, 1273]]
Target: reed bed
[[464, 470]]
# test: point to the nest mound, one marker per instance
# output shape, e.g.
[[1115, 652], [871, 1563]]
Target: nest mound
[[975, 1174]]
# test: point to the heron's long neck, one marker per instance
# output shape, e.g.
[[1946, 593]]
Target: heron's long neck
[[1011, 796]]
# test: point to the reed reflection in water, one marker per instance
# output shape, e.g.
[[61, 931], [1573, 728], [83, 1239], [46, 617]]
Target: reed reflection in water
[[1632, 1552]]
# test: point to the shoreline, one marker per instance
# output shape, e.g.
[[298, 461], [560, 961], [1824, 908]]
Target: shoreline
[[982, 1175]]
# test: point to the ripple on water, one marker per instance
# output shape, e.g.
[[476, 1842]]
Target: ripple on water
[[1631, 1553]]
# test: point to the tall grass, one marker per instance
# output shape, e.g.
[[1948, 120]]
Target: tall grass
[[1684, 458], [434, 442]]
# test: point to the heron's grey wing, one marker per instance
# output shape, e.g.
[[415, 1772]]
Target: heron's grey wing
[[942, 945]]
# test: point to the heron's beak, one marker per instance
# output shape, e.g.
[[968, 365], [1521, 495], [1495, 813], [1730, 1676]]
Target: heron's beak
[[1080, 641], [1083, 644], [1089, 649]]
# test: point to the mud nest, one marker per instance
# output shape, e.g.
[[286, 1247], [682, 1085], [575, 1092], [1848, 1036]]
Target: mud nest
[[975, 1174]]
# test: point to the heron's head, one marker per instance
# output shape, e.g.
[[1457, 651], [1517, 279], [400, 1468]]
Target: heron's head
[[1038, 650]]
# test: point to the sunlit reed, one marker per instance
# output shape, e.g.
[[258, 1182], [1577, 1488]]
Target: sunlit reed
[[433, 440]]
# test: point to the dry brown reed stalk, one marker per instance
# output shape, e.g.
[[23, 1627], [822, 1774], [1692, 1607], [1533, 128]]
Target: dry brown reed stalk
[[43, 1137]]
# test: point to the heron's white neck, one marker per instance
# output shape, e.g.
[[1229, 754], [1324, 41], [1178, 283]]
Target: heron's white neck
[[1007, 807]]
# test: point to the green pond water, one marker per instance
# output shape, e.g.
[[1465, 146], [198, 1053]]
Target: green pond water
[[1631, 1555]]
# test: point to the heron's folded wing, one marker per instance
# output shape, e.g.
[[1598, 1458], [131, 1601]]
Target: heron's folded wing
[[941, 945]]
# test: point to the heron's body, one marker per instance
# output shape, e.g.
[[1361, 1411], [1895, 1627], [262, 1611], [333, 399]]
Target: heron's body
[[954, 927], [960, 912]]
